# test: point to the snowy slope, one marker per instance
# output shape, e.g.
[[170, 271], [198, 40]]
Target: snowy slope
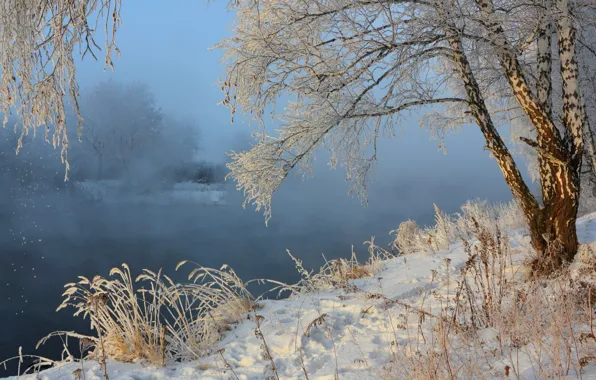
[[354, 339]]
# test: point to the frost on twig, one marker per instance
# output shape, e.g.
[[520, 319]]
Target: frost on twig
[[350, 70], [307, 126], [37, 42]]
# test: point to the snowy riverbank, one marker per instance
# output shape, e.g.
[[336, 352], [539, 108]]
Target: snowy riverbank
[[384, 325]]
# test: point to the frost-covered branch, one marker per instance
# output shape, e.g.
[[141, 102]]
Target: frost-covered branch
[[351, 69], [350, 136], [38, 39]]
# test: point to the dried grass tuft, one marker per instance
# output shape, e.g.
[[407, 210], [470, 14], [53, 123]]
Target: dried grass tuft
[[152, 318]]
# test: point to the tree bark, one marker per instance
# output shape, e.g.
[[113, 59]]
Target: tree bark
[[552, 228], [495, 144], [590, 146], [544, 91]]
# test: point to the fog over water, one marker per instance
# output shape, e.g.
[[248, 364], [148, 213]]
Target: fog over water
[[48, 241], [49, 237]]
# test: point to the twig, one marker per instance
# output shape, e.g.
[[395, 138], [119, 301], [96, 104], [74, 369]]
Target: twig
[[267, 352], [302, 363], [228, 366], [540, 149]]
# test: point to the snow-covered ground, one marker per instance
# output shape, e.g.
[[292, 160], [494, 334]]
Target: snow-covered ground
[[347, 333]]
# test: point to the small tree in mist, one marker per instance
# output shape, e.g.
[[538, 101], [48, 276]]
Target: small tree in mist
[[122, 124], [127, 136]]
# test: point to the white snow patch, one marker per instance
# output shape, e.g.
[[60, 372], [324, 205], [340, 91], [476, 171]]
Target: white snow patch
[[354, 339]]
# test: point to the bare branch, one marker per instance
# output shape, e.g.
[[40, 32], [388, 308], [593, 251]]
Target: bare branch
[[37, 42], [540, 149]]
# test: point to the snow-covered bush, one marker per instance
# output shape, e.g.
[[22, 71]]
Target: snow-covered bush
[[335, 273], [478, 214], [474, 214], [449, 229], [406, 237], [509, 216], [445, 229]]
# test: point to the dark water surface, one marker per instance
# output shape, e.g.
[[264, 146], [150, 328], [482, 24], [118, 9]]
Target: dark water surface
[[48, 241]]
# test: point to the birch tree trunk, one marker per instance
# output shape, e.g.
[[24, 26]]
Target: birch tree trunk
[[552, 224], [563, 211], [552, 228], [495, 144]]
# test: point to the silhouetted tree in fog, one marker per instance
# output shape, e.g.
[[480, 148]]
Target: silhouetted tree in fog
[[122, 124], [127, 136]]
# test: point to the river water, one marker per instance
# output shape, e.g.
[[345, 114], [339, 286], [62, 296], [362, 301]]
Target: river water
[[48, 240]]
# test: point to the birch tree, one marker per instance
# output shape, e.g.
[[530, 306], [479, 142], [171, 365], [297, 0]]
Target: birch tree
[[545, 49], [587, 62], [354, 68]]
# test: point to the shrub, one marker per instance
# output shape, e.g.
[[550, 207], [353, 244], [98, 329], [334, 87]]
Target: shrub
[[335, 273], [406, 237], [449, 229], [158, 321]]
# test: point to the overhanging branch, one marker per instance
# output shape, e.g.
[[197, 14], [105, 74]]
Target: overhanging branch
[[404, 106]]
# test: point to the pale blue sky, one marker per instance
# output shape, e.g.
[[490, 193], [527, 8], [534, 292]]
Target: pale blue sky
[[166, 45]]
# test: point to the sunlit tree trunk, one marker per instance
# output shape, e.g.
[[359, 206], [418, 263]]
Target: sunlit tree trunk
[[495, 144], [544, 92], [552, 224], [560, 157]]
